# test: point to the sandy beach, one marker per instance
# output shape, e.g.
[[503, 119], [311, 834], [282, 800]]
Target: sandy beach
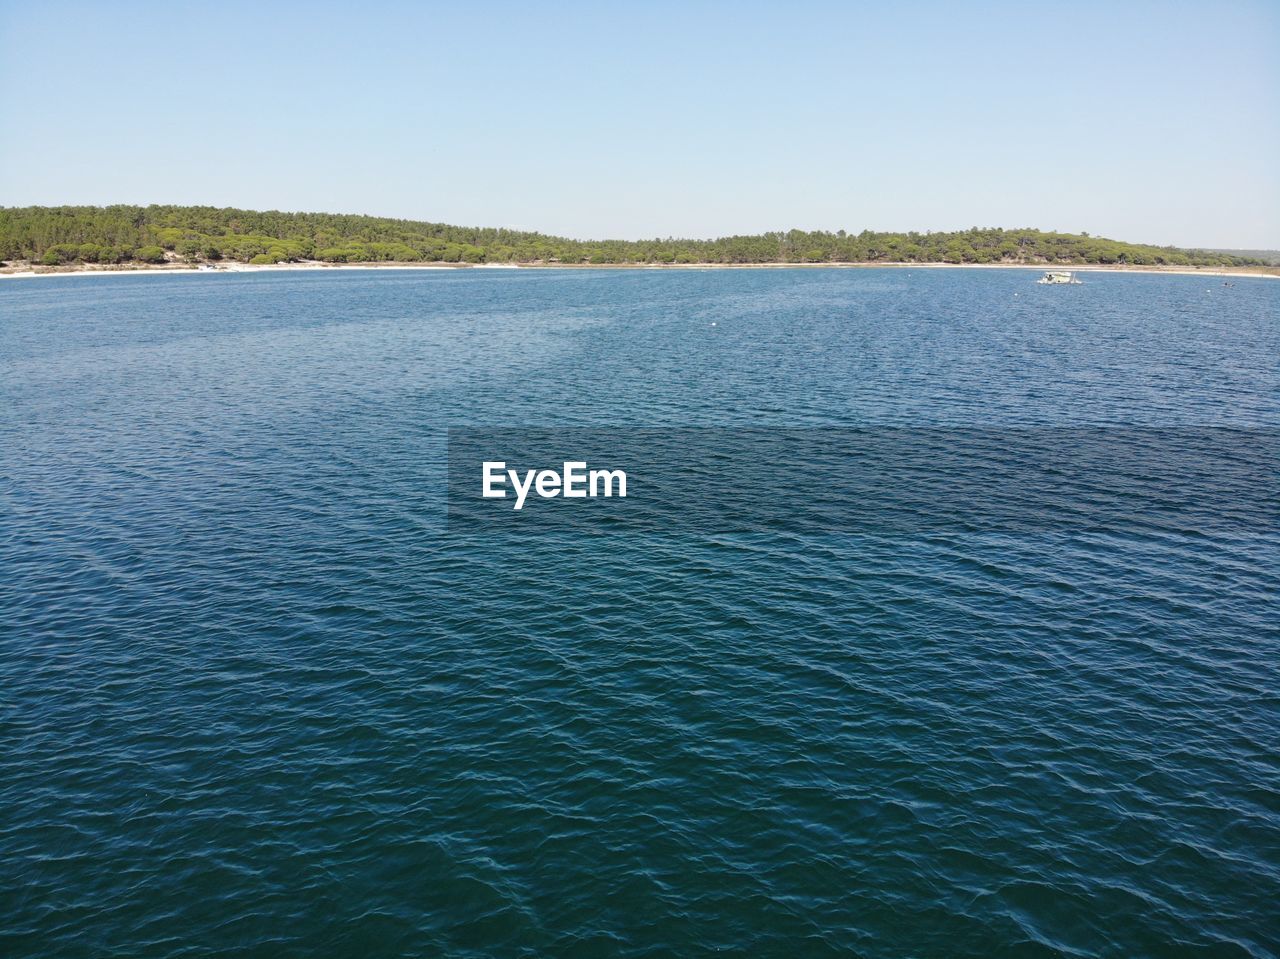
[[222, 269], [28, 272]]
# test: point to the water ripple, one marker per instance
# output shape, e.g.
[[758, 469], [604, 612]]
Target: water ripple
[[257, 699]]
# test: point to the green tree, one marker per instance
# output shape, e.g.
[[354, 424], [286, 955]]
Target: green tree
[[69, 234]]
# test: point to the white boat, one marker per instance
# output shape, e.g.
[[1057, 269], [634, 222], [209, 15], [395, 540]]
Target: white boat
[[1058, 276]]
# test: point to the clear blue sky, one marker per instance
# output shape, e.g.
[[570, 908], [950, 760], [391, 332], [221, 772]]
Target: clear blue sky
[[1153, 122]]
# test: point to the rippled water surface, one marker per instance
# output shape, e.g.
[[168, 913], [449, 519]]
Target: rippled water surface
[[256, 699]]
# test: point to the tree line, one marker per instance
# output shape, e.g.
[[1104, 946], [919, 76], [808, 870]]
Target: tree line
[[54, 236]]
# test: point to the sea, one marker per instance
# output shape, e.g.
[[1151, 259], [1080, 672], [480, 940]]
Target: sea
[[262, 692]]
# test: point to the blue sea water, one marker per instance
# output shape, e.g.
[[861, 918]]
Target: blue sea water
[[258, 698]]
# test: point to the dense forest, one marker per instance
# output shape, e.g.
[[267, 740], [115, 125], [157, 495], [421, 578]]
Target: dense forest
[[53, 236], [1270, 257]]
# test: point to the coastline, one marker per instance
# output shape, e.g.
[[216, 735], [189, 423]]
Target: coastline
[[1265, 272]]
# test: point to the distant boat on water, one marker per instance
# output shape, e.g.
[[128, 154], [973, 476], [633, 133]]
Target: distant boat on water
[[1053, 277]]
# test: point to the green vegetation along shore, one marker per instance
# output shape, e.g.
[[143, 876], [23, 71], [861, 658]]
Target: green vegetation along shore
[[81, 235]]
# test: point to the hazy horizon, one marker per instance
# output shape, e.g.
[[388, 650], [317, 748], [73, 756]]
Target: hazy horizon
[[1155, 123]]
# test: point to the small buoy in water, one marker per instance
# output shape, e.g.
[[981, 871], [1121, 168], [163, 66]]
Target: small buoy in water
[[713, 323]]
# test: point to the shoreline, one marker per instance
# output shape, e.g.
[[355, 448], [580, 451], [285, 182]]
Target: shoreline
[[1263, 272]]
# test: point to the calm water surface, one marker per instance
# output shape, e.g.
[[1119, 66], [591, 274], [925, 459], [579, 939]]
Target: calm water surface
[[256, 699]]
